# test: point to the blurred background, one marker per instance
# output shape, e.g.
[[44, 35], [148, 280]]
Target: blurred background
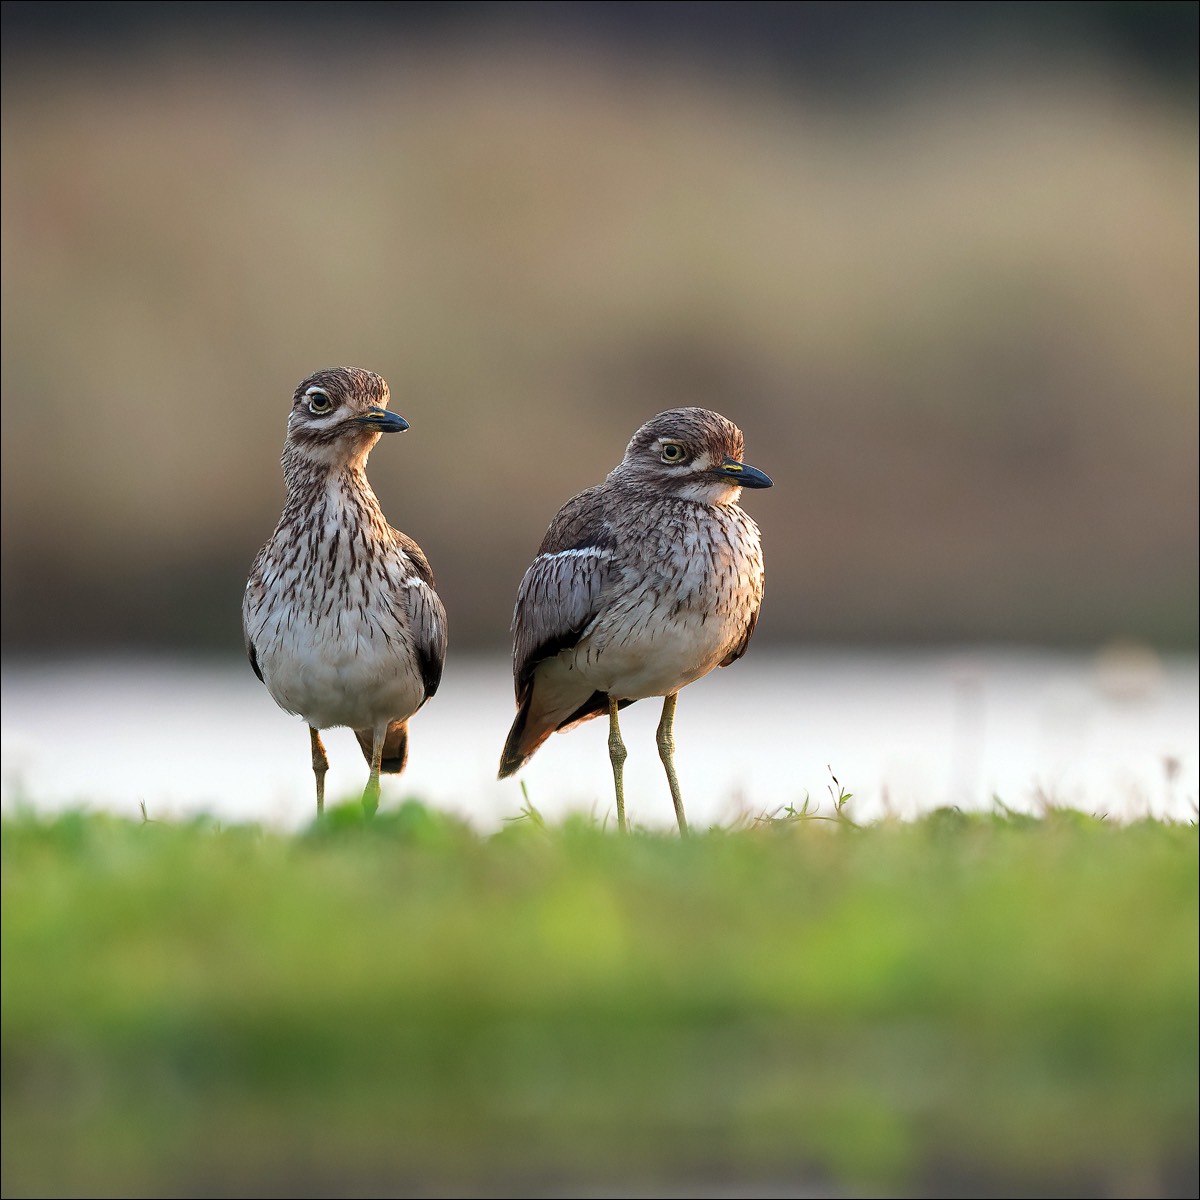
[[938, 260]]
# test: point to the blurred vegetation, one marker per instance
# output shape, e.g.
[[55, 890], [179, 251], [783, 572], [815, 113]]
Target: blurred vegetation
[[941, 269], [961, 1005]]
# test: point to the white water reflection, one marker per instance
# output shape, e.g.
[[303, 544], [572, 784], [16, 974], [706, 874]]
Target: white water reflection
[[904, 732]]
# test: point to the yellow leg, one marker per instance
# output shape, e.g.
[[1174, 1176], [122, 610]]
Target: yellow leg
[[666, 751], [320, 764], [617, 755], [370, 797]]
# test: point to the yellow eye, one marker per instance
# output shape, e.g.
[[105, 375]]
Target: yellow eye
[[318, 402], [672, 452]]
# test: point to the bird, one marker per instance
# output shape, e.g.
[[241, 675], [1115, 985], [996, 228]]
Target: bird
[[341, 618], [641, 585]]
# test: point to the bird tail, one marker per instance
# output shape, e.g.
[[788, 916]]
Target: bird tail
[[522, 740], [531, 727], [395, 747]]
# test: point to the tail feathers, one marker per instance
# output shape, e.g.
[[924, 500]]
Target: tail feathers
[[521, 742], [529, 730], [395, 747]]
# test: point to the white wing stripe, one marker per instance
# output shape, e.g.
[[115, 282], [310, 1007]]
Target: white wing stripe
[[584, 552]]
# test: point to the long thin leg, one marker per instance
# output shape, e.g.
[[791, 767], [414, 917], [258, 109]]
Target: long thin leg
[[370, 798], [320, 764], [666, 751], [617, 755]]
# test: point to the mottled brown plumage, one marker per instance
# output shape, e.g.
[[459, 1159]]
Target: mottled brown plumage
[[641, 585], [341, 619]]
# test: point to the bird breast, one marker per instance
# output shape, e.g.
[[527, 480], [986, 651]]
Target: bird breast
[[327, 613]]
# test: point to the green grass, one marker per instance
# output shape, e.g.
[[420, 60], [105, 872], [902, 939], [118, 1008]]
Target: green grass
[[964, 1004]]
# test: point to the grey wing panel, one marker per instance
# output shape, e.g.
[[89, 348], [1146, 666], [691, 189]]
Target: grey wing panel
[[416, 556], [556, 602], [427, 618]]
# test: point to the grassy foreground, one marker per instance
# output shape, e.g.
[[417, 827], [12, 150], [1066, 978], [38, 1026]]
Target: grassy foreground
[[961, 1005]]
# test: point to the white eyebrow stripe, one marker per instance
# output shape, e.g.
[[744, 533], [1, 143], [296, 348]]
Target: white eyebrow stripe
[[584, 552], [316, 391]]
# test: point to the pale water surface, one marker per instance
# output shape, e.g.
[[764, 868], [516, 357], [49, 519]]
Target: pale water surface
[[905, 732]]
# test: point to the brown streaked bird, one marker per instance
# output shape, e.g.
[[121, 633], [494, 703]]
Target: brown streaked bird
[[641, 585], [341, 619]]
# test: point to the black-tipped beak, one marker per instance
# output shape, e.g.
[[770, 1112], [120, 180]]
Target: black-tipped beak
[[743, 474], [383, 421]]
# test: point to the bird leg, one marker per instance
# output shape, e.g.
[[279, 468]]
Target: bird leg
[[320, 764], [666, 751], [370, 797], [617, 755]]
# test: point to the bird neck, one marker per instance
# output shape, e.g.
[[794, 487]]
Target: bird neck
[[309, 481]]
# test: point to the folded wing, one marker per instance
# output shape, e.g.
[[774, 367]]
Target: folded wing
[[560, 596]]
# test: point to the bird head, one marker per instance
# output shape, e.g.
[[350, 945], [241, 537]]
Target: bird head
[[693, 453], [337, 416]]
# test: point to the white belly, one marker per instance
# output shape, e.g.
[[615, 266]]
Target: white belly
[[348, 675]]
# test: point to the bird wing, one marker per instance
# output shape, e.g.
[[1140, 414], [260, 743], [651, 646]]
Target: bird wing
[[426, 615], [740, 648], [251, 598], [560, 595]]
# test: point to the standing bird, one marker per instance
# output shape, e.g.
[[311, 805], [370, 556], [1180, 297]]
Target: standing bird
[[340, 615], [640, 586]]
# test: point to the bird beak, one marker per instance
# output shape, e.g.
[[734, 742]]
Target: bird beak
[[382, 420], [743, 474]]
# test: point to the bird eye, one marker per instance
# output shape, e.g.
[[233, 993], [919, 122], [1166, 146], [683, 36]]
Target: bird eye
[[318, 402], [672, 452]]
